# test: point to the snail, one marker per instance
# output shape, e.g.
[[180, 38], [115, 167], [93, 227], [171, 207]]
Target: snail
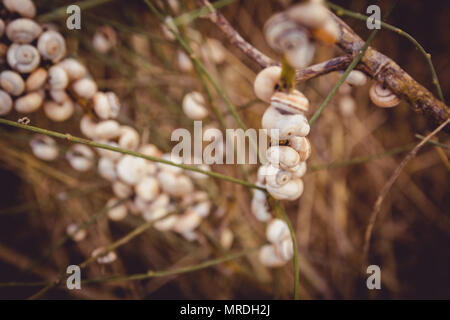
[[356, 78], [277, 230], [108, 129], [104, 39], [184, 62], [284, 126], [347, 105], [298, 171], [169, 29], [58, 78], [293, 102], [109, 153], [214, 51], [269, 257], [87, 126], [289, 191], [75, 233], [188, 221], [131, 169], [147, 188], [44, 147], [75, 70], [128, 138], [266, 82], [121, 190], [107, 169], [12, 82], [36, 79], [285, 249], [260, 206], [59, 112], [277, 177], [23, 58], [312, 14], [85, 88], [302, 146], [59, 96], [30, 102], [52, 46], [116, 211], [194, 106], [282, 156], [102, 257], [80, 157], [6, 103], [382, 96], [25, 8], [23, 30]]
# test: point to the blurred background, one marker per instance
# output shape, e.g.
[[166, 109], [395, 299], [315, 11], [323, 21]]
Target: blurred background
[[411, 237]]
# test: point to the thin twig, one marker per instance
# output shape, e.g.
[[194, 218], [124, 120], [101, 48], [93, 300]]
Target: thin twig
[[387, 187]]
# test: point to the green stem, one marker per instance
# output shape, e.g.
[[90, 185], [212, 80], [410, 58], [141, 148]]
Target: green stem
[[344, 12], [69, 137]]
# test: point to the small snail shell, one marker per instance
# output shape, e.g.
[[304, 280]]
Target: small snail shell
[[6, 103], [188, 221], [114, 104], [169, 28], [44, 147], [286, 126], [147, 188], [74, 68], [87, 125], [116, 212], [282, 156], [298, 171], [215, 51], [59, 96], [290, 191], [202, 209], [102, 107], [104, 258], [109, 153], [85, 88], [23, 58], [310, 14], [260, 206], [277, 27], [266, 81], [131, 169], [23, 30], [356, 78], [383, 97], [107, 169], [80, 157], [164, 224], [108, 129], [293, 102], [25, 8], [226, 238], [161, 201], [277, 230], [277, 177], [168, 167], [194, 106], [302, 146], [59, 112], [128, 138], [12, 82], [36, 79], [104, 39], [269, 257], [285, 249], [52, 46], [174, 185], [75, 233], [57, 78], [121, 190], [184, 62], [328, 33], [2, 27], [30, 102], [347, 105]]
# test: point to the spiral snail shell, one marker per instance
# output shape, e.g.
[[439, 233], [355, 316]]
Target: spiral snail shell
[[57, 78], [52, 46], [194, 106], [80, 157], [23, 31], [59, 112], [44, 147], [290, 191], [266, 82], [293, 102], [302, 146], [382, 96], [23, 58]]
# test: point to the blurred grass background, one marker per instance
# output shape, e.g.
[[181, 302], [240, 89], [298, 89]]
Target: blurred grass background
[[411, 237]]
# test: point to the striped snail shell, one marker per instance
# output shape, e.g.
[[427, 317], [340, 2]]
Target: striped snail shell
[[382, 96], [23, 30], [293, 102], [23, 58]]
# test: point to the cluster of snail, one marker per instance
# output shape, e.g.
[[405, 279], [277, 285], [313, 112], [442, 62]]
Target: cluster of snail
[[38, 74]]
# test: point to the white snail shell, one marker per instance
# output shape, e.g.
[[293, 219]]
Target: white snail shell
[[116, 212], [6, 103], [356, 78], [30, 102], [203, 208], [184, 62], [147, 188], [260, 206], [108, 129], [310, 14], [299, 170], [44, 147], [169, 28], [188, 221], [214, 50], [36, 79], [128, 138], [269, 257], [107, 169], [290, 191], [52, 46], [103, 258], [59, 95], [23, 58], [383, 97], [85, 88], [87, 126], [59, 112], [75, 69], [293, 102], [25, 8], [102, 107], [131, 169], [347, 105], [110, 154], [104, 39], [226, 238], [121, 190], [277, 177], [285, 249], [277, 230], [161, 201], [75, 233], [282, 156], [80, 157], [194, 106], [302, 146], [284, 126], [266, 82], [23, 30], [12, 82], [58, 78]]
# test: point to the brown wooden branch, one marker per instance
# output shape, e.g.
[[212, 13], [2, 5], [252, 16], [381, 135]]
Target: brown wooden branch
[[375, 64]]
